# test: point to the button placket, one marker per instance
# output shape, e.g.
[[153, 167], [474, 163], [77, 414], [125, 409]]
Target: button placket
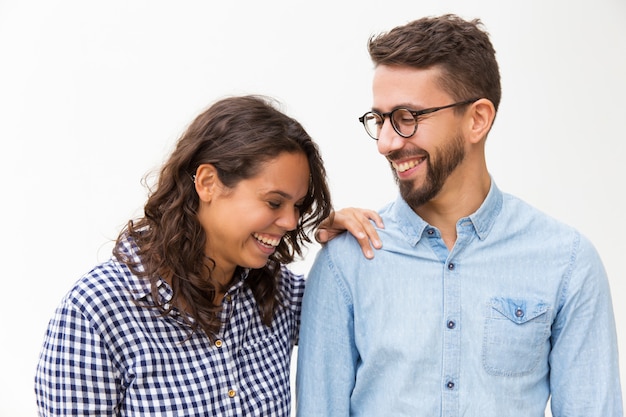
[[452, 334]]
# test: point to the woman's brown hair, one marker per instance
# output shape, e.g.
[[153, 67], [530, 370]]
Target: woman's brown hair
[[237, 135]]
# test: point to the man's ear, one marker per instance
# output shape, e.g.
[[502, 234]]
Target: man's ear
[[206, 181], [482, 113]]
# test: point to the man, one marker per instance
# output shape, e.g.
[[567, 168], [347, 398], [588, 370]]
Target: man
[[477, 305]]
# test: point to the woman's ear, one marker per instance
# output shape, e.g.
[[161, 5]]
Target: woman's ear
[[206, 181], [482, 115]]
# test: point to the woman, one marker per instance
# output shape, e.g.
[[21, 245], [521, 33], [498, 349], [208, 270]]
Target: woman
[[195, 313]]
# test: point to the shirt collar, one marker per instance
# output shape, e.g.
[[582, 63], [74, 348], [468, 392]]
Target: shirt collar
[[413, 226], [484, 218], [139, 287]]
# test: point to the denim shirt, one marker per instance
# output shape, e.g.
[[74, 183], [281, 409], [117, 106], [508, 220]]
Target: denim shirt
[[518, 310]]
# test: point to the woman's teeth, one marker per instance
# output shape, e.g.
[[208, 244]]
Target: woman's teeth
[[268, 241]]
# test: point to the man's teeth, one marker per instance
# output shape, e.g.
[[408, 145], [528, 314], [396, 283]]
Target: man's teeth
[[266, 240], [405, 166]]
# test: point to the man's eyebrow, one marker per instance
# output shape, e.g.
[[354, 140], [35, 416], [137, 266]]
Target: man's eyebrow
[[411, 106]]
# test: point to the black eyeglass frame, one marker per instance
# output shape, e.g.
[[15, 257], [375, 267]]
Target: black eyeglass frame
[[414, 113]]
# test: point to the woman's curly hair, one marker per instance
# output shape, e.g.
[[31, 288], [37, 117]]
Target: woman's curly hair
[[237, 135]]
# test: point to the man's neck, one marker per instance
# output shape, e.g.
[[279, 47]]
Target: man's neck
[[457, 199]]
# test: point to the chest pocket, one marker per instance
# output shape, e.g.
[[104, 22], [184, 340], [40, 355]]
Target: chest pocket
[[516, 336]]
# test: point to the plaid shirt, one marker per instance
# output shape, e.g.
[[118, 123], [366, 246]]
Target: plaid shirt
[[105, 354]]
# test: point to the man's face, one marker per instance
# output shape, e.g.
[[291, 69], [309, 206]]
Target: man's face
[[422, 163]]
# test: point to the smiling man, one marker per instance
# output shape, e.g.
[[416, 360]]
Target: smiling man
[[478, 304]]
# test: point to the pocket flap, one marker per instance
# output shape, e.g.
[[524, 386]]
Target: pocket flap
[[520, 311]]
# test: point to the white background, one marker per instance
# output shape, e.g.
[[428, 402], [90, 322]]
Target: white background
[[93, 96]]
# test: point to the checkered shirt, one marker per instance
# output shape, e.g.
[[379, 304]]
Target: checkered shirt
[[105, 354]]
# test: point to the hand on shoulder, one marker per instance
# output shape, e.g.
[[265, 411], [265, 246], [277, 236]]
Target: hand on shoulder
[[358, 222]]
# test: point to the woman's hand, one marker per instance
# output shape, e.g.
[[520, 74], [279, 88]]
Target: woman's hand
[[357, 221]]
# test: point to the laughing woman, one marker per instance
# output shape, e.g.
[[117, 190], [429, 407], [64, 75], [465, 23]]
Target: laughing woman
[[195, 313]]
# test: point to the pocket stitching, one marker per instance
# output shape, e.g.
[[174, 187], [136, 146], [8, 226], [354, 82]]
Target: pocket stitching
[[539, 316]]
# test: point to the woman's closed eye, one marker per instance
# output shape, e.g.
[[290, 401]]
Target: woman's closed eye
[[275, 205]]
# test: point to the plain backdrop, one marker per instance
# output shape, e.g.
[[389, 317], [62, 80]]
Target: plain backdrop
[[93, 95]]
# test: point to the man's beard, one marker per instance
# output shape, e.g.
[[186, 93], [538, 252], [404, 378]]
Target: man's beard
[[447, 158]]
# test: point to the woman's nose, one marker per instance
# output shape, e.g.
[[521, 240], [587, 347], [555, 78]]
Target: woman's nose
[[288, 218]]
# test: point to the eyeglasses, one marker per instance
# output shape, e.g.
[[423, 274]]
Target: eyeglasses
[[403, 120]]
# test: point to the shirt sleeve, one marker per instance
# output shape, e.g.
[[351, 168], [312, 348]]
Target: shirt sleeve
[[75, 375], [584, 369], [327, 354]]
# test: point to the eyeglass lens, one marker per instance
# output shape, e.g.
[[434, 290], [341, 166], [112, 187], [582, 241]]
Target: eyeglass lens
[[402, 120]]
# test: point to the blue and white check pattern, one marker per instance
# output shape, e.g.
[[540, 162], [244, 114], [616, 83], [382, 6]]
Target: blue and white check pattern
[[105, 354]]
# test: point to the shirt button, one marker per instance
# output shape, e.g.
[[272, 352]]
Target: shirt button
[[228, 297], [450, 385], [231, 393], [430, 232], [519, 312], [451, 324], [218, 343], [450, 266]]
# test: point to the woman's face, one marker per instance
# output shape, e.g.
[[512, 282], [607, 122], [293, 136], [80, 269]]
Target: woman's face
[[244, 224]]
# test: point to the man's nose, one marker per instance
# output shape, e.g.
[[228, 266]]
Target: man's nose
[[388, 139]]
